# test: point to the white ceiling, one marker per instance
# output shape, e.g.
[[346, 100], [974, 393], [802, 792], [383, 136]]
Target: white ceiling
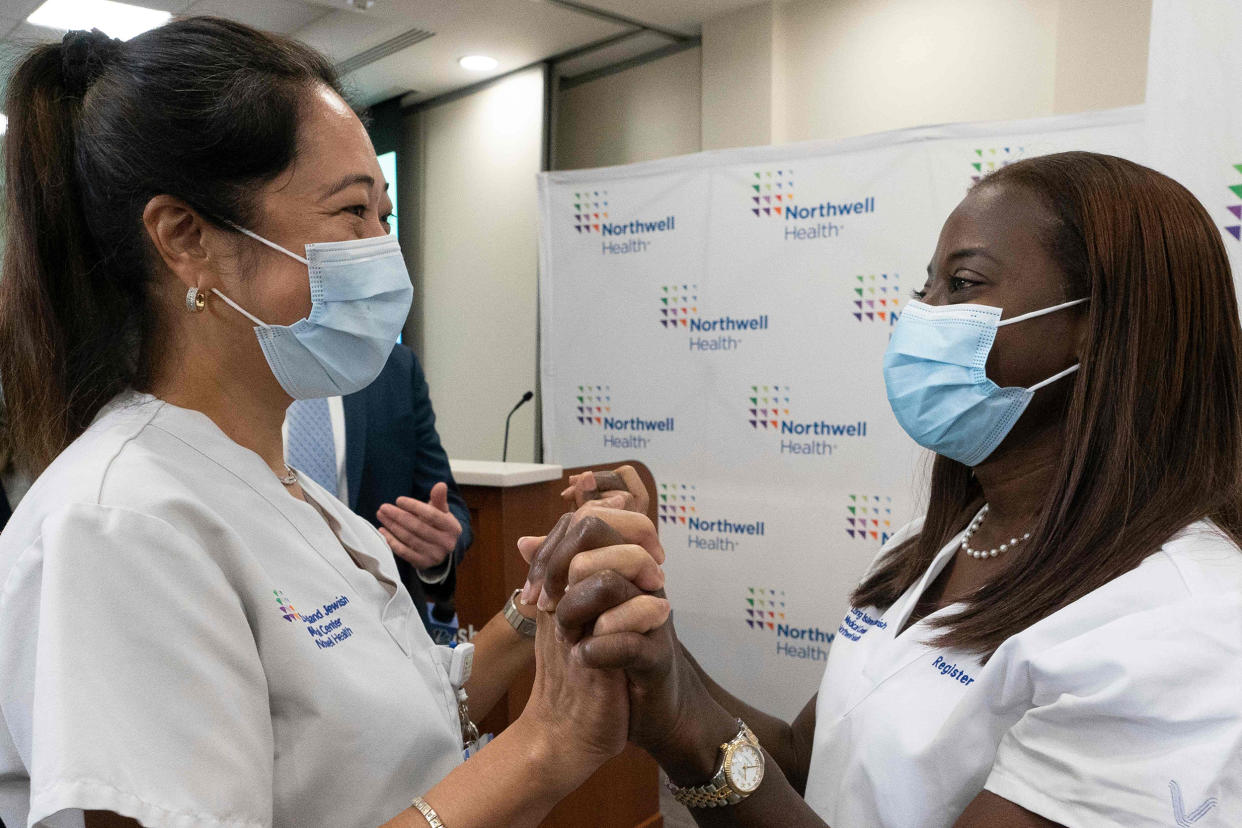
[[515, 32]]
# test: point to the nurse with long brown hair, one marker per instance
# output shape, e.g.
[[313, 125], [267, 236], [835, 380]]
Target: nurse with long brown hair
[[1058, 641]]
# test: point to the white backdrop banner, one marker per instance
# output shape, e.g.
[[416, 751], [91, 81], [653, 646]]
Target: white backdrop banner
[[721, 317], [1194, 106]]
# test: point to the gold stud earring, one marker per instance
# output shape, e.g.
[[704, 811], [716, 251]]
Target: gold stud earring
[[195, 300]]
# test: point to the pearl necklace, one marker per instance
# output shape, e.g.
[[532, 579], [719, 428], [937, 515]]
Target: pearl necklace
[[980, 554]]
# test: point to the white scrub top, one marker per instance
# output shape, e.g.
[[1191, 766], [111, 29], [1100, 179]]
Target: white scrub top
[[1121, 709], [184, 643]]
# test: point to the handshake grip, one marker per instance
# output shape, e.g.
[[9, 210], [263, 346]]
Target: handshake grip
[[598, 573], [598, 582]]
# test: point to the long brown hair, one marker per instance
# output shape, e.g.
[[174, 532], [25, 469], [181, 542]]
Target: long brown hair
[[202, 108], [1152, 436]]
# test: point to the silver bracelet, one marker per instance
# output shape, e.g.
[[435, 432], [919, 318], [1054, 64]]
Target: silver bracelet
[[428, 812]]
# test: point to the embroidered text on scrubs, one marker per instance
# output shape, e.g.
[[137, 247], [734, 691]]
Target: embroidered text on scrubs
[[325, 610], [857, 623], [331, 633], [325, 635], [952, 671]]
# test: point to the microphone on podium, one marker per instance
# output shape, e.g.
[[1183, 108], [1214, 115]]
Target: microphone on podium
[[527, 397]]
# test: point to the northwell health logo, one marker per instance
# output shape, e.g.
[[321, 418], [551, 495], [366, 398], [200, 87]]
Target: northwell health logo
[[590, 211], [593, 216], [324, 629], [708, 531], [678, 503], [876, 297], [770, 195], [764, 608], [768, 404], [286, 606], [771, 192], [678, 303], [680, 311], [992, 159], [766, 613], [769, 410], [1235, 230], [594, 406], [869, 517]]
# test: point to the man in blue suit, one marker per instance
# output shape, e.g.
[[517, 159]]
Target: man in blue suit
[[378, 450]]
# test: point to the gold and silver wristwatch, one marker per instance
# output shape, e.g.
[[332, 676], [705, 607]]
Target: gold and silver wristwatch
[[737, 777]]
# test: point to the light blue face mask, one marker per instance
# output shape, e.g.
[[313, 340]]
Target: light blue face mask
[[937, 386], [360, 298]]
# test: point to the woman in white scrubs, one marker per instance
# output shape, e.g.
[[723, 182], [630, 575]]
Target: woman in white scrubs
[[192, 633], [1059, 640]]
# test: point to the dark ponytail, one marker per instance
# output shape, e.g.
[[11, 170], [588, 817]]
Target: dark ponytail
[[203, 109]]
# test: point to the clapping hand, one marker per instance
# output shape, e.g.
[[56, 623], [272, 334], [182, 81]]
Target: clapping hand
[[422, 533]]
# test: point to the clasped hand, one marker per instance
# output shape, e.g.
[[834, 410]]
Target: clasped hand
[[597, 581]]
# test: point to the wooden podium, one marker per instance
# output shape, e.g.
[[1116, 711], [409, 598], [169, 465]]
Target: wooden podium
[[507, 501]]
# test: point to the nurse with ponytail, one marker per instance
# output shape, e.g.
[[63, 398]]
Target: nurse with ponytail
[[193, 634]]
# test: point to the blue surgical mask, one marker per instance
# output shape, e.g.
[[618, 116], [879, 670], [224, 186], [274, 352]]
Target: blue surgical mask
[[360, 298], [937, 386]]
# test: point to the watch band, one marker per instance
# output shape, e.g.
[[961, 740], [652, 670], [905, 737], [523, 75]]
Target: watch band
[[705, 796], [717, 793], [524, 626]]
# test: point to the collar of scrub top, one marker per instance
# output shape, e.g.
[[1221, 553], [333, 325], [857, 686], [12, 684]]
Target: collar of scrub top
[[902, 650], [198, 430]]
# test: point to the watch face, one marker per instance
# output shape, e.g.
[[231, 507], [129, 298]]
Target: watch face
[[745, 768]]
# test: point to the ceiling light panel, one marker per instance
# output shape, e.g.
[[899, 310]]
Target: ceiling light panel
[[478, 63], [120, 20]]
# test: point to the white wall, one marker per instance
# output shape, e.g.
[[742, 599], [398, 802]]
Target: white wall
[[1101, 54], [469, 234], [851, 67], [739, 69], [811, 69], [649, 111]]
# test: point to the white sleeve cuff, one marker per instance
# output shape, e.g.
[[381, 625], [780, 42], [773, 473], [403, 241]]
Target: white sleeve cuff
[[97, 795], [1021, 793]]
